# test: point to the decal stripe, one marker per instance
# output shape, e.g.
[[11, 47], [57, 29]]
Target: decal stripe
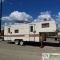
[[31, 35]]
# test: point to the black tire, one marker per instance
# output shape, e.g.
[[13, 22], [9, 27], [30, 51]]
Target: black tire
[[21, 42], [16, 42]]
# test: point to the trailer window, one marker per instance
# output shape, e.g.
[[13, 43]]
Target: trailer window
[[16, 31], [8, 30], [45, 25], [31, 28]]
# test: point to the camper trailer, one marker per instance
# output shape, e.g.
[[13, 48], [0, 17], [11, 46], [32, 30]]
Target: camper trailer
[[31, 32]]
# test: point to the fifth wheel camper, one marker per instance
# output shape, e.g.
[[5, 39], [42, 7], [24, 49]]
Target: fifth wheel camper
[[31, 32]]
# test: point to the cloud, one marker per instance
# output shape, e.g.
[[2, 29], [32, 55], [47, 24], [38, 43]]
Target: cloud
[[44, 15], [1, 1], [58, 19], [20, 16]]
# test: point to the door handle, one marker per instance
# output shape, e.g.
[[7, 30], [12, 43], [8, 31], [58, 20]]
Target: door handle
[[10, 32]]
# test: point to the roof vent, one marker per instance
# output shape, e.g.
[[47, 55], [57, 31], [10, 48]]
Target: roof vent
[[44, 19]]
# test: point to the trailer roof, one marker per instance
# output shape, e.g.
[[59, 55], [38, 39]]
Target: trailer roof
[[32, 22]]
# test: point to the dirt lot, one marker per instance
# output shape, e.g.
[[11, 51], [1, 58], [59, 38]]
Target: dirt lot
[[31, 51]]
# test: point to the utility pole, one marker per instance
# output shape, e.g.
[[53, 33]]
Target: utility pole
[[0, 14]]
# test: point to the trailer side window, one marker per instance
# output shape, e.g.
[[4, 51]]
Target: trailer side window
[[16, 31], [44, 25], [31, 28], [8, 30]]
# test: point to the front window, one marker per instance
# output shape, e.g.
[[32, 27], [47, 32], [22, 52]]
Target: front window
[[45, 25]]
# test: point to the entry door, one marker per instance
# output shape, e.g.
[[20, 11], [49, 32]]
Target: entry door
[[32, 32], [9, 34]]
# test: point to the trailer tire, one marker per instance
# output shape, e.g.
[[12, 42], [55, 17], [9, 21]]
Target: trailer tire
[[16, 42], [21, 42]]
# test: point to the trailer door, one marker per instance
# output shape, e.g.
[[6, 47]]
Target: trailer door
[[32, 32], [9, 34]]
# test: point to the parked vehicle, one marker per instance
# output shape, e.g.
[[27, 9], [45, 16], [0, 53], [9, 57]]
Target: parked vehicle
[[19, 33]]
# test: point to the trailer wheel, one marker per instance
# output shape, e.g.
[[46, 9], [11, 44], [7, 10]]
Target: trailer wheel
[[21, 43], [16, 42]]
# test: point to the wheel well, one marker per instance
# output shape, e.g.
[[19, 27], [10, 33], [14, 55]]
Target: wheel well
[[18, 39]]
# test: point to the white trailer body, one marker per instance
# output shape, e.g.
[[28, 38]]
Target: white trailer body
[[28, 31]]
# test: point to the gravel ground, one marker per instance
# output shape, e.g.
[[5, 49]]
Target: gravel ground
[[28, 52]]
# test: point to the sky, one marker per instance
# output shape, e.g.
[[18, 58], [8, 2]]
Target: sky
[[30, 10]]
